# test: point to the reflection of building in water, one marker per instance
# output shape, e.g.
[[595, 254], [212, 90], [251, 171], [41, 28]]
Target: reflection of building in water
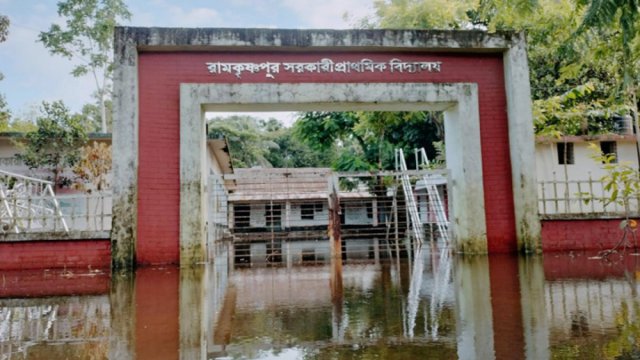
[[301, 286], [69, 327], [589, 308], [308, 252], [275, 307]]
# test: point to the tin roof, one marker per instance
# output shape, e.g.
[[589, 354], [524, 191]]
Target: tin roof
[[259, 184]]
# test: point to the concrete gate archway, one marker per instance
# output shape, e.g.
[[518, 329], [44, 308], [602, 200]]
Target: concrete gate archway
[[167, 78]]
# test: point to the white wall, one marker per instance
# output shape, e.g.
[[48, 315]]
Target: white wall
[[356, 212], [565, 197], [547, 161]]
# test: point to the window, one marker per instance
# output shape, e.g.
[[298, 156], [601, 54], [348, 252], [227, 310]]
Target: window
[[273, 215], [610, 148], [565, 154], [307, 211], [369, 210], [241, 216]]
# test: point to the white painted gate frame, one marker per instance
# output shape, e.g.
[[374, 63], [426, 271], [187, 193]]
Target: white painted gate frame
[[462, 122]]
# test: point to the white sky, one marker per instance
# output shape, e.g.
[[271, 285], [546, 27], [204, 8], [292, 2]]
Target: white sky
[[32, 75]]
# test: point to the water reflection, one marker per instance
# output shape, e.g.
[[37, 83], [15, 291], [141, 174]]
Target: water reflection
[[430, 304]]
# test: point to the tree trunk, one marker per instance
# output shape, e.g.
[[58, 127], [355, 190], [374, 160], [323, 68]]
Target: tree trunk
[[103, 112]]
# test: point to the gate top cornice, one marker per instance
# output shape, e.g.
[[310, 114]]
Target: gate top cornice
[[199, 39]]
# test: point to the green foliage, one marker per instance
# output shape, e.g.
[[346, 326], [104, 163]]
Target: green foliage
[[254, 142], [88, 36], [572, 44], [572, 113], [440, 160], [609, 13], [92, 118], [291, 152], [248, 146], [56, 143], [365, 140], [4, 27], [416, 14], [19, 125]]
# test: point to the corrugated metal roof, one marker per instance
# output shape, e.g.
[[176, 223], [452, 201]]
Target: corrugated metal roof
[[257, 184]]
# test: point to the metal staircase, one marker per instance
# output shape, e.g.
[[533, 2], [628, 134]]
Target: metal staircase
[[414, 216], [435, 202]]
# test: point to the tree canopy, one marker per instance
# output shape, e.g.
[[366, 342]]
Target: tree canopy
[[88, 37], [56, 143], [267, 143], [365, 140], [585, 51]]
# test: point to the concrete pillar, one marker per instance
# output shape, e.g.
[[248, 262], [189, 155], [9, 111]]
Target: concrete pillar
[[192, 181], [522, 146], [125, 152], [464, 160]]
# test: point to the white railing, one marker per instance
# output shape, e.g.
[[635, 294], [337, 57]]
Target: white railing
[[87, 212], [29, 205], [580, 197]]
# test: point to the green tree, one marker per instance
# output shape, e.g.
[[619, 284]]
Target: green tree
[[566, 53], [56, 143], [365, 140], [20, 125], [247, 141], [91, 112], [88, 37], [291, 152], [617, 22]]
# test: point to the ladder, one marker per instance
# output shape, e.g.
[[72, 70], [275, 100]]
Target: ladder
[[416, 224], [435, 202]]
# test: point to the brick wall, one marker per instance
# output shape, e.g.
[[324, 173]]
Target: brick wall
[[55, 254], [592, 234], [158, 176]]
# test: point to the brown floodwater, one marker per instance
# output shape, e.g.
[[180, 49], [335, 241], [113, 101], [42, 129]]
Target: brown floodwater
[[428, 306]]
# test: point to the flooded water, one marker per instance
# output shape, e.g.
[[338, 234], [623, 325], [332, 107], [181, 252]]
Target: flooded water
[[427, 306]]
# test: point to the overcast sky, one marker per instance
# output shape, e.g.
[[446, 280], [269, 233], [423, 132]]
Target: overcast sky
[[32, 75]]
